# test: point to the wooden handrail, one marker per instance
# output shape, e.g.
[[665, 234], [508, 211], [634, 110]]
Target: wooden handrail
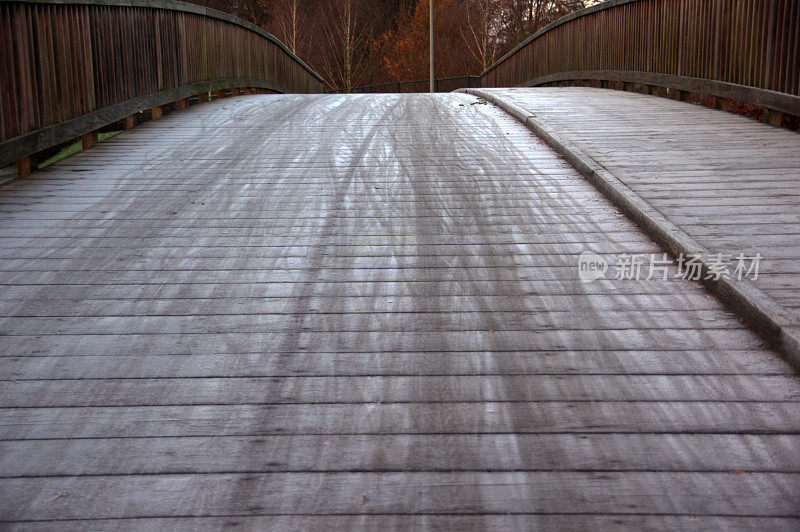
[[70, 67], [745, 50]]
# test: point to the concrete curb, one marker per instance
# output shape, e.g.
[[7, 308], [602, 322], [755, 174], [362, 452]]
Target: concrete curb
[[758, 310]]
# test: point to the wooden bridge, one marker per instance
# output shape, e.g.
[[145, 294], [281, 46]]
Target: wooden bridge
[[297, 311]]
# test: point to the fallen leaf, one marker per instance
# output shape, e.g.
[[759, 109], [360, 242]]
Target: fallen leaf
[[57, 496], [364, 500]]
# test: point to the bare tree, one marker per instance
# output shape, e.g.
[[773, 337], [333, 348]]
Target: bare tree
[[290, 24], [482, 19], [347, 43], [525, 17], [255, 11]]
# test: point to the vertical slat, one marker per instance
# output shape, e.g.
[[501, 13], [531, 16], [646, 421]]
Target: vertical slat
[[8, 108], [88, 61], [793, 72], [780, 43], [728, 38], [755, 49], [767, 81], [24, 99]]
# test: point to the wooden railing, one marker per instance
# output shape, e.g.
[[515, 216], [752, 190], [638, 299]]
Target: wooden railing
[[69, 67], [743, 50]]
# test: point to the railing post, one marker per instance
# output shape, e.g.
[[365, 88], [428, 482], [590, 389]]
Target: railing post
[[88, 140], [774, 118], [24, 166]]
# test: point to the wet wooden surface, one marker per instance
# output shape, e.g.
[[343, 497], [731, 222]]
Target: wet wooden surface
[[361, 311]]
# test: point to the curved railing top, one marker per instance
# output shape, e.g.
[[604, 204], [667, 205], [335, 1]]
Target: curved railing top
[[744, 50], [186, 7]]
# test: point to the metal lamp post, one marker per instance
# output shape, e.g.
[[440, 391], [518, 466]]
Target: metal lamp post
[[430, 23]]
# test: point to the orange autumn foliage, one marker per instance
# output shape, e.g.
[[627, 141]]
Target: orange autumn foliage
[[405, 50]]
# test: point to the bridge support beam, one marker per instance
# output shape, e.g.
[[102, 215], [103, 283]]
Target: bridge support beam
[[24, 166], [774, 118], [88, 140], [722, 104]]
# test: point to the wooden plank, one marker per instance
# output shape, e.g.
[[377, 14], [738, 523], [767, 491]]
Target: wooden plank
[[421, 322], [57, 303], [401, 418], [394, 389], [64, 289], [392, 363], [755, 494], [445, 522], [346, 341], [404, 452]]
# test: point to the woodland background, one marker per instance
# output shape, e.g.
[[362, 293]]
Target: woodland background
[[363, 42]]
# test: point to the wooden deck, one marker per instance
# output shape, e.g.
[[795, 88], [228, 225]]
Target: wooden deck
[[733, 184], [361, 311]]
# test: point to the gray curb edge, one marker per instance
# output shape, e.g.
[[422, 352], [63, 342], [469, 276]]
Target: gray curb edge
[[757, 309]]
